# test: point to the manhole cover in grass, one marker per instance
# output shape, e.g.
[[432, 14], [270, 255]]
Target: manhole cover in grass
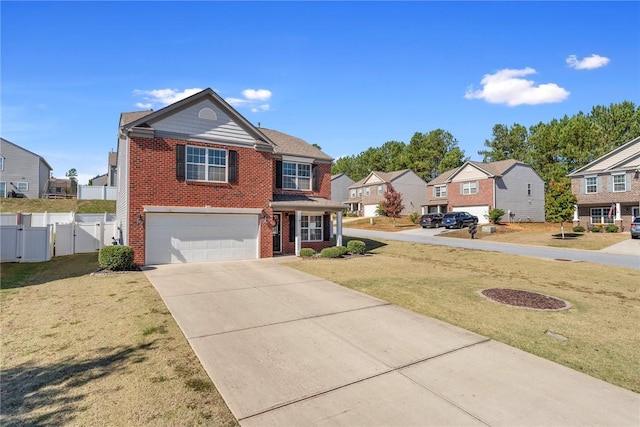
[[525, 299]]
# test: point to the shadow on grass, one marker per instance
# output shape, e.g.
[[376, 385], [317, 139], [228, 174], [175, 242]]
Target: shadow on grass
[[41, 395], [18, 275], [567, 236], [371, 244]]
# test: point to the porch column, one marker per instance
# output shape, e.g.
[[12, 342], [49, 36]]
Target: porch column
[[298, 232], [576, 218], [339, 229], [618, 212]]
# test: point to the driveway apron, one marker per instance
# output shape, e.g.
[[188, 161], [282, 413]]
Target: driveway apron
[[287, 348]]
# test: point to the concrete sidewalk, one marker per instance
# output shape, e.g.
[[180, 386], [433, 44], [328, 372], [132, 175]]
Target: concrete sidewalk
[[286, 348]]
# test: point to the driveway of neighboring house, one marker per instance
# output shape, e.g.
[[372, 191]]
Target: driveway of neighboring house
[[287, 348]]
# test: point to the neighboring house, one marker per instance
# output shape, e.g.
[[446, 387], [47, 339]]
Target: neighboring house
[[477, 187], [100, 180], [22, 173], [366, 194], [112, 169], [198, 182], [608, 189], [340, 187]]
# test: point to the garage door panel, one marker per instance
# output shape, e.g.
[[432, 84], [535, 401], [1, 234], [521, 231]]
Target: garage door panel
[[180, 238], [479, 211]]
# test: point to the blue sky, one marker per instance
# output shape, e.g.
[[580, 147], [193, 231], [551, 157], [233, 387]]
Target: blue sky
[[345, 75]]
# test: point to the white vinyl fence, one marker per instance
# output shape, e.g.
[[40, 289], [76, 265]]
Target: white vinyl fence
[[39, 236], [95, 192]]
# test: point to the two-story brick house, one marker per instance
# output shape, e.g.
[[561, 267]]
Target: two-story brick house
[[477, 187], [198, 182], [608, 189], [366, 194]]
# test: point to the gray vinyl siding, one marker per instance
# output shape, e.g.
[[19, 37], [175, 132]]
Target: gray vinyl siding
[[186, 123], [414, 192], [122, 200], [21, 165], [339, 191], [511, 194]]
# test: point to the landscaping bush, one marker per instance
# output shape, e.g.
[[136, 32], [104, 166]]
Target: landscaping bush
[[116, 258], [414, 217], [380, 210], [595, 229], [495, 215], [343, 250], [578, 229], [611, 228], [356, 247], [332, 252], [307, 252]]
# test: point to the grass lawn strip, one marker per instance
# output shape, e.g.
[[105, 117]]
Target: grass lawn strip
[[96, 350], [445, 283]]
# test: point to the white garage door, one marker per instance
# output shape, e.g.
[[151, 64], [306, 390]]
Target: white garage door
[[179, 238], [479, 211], [370, 210]]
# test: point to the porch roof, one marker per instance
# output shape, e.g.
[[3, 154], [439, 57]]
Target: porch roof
[[282, 202]]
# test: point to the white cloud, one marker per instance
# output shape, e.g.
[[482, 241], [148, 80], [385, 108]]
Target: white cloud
[[509, 87], [263, 107], [257, 94], [236, 102], [589, 63], [163, 96]]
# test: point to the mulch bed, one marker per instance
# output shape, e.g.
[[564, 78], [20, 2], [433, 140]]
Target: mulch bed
[[526, 299]]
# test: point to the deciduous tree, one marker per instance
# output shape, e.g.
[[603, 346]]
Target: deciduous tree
[[392, 203], [560, 203]]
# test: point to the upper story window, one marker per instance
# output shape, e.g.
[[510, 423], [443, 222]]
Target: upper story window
[[206, 164], [440, 191], [619, 182], [529, 190], [359, 192], [1, 164], [380, 190], [469, 187], [367, 191], [591, 184], [296, 176], [353, 193]]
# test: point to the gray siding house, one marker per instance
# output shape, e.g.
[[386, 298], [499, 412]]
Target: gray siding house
[[340, 187], [22, 173], [366, 194]]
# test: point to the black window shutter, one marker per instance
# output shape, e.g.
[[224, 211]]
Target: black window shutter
[[314, 177], [326, 225], [233, 166], [292, 228], [278, 174], [180, 156]]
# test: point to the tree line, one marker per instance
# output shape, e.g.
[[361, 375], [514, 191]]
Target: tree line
[[553, 149]]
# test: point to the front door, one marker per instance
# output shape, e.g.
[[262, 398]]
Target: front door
[[277, 233]]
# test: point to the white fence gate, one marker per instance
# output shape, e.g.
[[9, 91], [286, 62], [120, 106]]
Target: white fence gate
[[82, 238], [25, 244]]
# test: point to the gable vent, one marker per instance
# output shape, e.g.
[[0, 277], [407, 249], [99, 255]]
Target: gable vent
[[207, 114]]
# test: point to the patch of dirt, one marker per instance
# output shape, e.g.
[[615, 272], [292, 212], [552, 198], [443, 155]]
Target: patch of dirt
[[107, 272], [526, 299]]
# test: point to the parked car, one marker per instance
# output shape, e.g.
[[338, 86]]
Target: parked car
[[458, 219], [432, 220], [635, 228]]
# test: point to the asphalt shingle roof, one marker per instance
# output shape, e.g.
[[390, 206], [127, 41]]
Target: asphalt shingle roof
[[291, 145]]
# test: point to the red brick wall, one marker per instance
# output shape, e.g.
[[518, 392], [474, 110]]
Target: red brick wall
[[484, 196], [152, 178], [324, 189], [290, 247]]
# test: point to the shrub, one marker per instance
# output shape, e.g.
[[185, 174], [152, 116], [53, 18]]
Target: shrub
[[595, 229], [414, 217], [578, 229], [116, 258], [332, 252], [611, 228], [356, 247], [495, 215], [380, 210], [307, 252], [343, 250]]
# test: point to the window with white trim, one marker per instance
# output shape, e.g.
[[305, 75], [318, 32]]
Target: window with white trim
[[311, 228], [22, 186], [469, 188], [359, 192], [440, 191], [367, 191], [353, 193], [380, 190], [591, 185], [619, 182], [206, 164], [3, 189], [1, 164], [296, 176], [601, 216]]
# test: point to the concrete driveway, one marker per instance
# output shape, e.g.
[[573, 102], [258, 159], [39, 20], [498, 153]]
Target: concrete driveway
[[286, 348]]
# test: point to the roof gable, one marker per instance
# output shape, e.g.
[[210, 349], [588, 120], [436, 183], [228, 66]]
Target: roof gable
[[5, 141], [625, 156], [290, 145]]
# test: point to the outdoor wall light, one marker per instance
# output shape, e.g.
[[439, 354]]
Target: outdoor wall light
[[139, 219]]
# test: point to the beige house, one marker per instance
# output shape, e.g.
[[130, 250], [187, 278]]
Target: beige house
[[608, 189]]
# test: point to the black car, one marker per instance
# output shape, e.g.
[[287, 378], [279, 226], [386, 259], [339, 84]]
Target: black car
[[432, 220], [458, 219]]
